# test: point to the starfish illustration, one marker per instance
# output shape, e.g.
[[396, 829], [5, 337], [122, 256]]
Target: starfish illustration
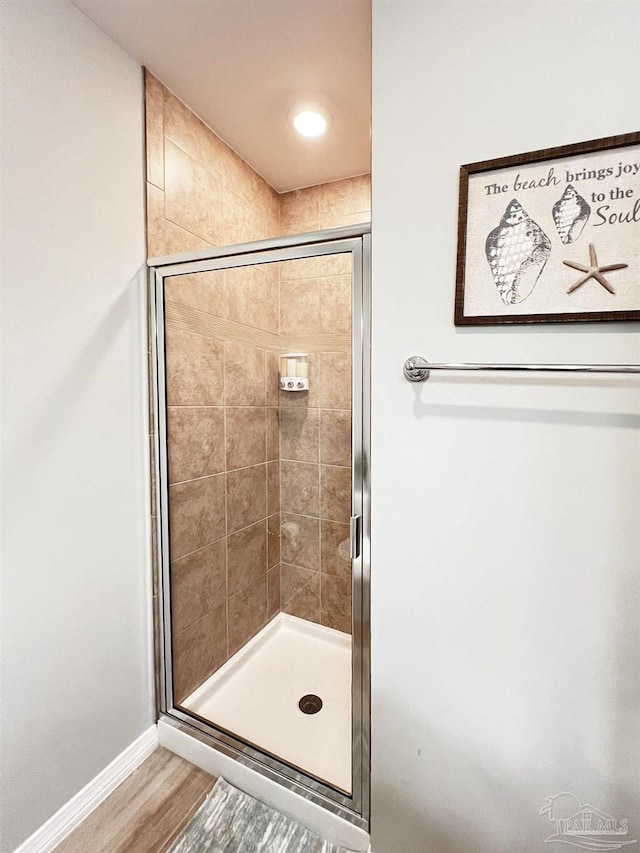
[[593, 271]]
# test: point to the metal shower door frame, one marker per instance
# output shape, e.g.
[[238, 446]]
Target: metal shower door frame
[[355, 240]]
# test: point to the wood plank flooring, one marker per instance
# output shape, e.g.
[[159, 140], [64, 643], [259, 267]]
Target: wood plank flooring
[[146, 812]]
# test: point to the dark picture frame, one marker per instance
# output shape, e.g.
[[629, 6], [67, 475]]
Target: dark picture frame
[[551, 236]]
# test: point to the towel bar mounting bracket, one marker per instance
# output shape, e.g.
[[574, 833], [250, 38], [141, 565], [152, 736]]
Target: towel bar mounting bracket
[[416, 369]]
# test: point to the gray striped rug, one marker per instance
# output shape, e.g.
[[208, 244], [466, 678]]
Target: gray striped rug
[[230, 821]]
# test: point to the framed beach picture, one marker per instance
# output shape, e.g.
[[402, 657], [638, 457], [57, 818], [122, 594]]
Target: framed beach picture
[[552, 236]]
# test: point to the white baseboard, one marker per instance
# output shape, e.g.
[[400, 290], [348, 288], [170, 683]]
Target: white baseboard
[[85, 801]]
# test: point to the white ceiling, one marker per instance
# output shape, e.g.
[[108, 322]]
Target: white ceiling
[[242, 65]]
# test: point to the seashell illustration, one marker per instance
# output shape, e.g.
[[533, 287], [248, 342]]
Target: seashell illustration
[[517, 251], [570, 214]]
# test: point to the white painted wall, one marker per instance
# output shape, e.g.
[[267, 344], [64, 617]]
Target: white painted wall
[[506, 528], [76, 678]]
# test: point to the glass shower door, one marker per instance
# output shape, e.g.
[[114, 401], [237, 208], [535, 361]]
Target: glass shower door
[[260, 422]]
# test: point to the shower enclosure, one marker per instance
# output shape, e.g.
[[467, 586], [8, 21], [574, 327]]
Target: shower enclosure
[[261, 377]]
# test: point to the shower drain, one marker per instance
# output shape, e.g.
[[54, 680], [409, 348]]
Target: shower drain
[[310, 704]]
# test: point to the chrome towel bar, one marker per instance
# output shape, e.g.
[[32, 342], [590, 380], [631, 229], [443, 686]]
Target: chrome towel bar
[[417, 369]]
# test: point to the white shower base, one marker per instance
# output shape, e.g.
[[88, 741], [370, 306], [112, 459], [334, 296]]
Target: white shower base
[[255, 695]]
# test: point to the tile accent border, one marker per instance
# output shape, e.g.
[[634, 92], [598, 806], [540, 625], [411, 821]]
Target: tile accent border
[[184, 318], [80, 806]]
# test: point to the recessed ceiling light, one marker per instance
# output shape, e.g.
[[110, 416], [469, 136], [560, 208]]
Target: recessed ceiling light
[[309, 121]]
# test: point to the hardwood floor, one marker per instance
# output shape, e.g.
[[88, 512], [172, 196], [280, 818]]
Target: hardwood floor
[[146, 812]]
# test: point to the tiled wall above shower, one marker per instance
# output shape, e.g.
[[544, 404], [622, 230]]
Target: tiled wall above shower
[[346, 202], [237, 559], [200, 193]]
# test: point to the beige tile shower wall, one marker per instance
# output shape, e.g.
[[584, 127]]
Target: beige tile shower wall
[[200, 193], [315, 446], [223, 450], [346, 202], [223, 457], [315, 431]]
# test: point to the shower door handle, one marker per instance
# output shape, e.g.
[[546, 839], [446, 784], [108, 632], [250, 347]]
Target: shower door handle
[[354, 536]]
